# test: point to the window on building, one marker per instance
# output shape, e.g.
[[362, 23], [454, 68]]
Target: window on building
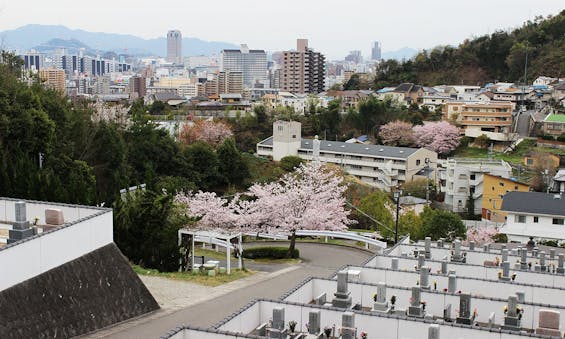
[[529, 161], [501, 184], [558, 221], [536, 219], [520, 219], [417, 162], [472, 177]]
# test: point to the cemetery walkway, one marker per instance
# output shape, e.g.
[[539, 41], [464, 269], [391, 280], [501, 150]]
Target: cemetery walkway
[[205, 306]]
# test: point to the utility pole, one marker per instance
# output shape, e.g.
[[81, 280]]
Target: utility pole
[[427, 161], [397, 195]]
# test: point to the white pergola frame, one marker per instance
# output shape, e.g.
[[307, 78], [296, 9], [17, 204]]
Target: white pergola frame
[[216, 238]]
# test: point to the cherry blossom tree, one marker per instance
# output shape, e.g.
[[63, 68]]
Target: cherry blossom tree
[[211, 132], [481, 234], [311, 197], [397, 133], [441, 137]]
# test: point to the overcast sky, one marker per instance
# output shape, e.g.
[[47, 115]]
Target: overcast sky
[[333, 27]]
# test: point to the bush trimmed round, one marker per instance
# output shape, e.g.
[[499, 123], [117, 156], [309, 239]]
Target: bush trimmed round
[[268, 252]]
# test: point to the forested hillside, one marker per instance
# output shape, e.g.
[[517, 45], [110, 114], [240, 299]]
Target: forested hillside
[[499, 56]]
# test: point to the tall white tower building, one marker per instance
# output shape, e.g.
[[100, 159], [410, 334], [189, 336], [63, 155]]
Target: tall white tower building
[[174, 46]]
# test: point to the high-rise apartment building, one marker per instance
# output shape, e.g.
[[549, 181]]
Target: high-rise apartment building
[[230, 82], [174, 46], [355, 57], [137, 87], [376, 51], [303, 70], [252, 63], [53, 78]]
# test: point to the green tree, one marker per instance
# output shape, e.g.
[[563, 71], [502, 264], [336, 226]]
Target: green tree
[[145, 228], [291, 162], [232, 167], [411, 223], [378, 205], [442, 224], [202, 165], [482, 141]]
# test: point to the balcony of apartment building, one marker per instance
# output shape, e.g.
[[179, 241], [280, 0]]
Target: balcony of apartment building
[[493, 132]]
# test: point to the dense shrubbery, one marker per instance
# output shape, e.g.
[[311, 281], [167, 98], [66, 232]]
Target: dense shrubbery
[[269, 253]]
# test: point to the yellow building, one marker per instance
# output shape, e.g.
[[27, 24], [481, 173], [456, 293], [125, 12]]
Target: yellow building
[[544, 160], [54, 78], [494, 189]]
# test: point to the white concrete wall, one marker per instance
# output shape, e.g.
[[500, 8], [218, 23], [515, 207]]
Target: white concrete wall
[[375, 326], [247, 321], [435, 301], [544, 228], [46, 251], [473, 271], [476, 287]]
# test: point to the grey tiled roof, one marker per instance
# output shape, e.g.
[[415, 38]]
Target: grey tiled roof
[[534, 203], [361, 149]]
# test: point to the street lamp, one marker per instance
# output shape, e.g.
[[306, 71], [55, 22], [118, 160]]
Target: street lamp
[[397, 195]]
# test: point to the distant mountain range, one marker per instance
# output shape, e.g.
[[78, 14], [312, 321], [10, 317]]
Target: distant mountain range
[[403, 53], [48, 37]]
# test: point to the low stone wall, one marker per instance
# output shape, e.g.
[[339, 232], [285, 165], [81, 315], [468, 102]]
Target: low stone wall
[[89, 293]]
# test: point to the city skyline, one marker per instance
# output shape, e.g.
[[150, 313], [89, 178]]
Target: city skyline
[[436, 23]]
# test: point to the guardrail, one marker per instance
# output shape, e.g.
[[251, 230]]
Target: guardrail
[[333, 234]]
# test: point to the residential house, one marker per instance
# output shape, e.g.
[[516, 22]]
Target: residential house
[[461, 178], [559, 181], [493, 119], [537, 159], [534, 214], [494, 189], [382, 166], [554, 124]]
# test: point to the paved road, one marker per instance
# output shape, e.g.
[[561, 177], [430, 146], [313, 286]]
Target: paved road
[[318, 260]]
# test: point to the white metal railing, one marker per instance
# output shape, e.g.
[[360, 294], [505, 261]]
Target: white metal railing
[[332, 234]]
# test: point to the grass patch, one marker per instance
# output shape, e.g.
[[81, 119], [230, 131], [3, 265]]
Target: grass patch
[[197, 278], [288, 261], [211, 253]]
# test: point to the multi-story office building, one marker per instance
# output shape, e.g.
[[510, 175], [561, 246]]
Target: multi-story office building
[[493, 119], [174, 46], [376, 51], [251, 63], [53, 78], [303, 70], [464, 178], [354, 57], [382, 166], [137, 87], [33, 61], [230, 82]]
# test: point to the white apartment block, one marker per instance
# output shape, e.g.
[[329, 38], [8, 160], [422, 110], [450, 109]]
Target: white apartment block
[[461, 178], [382, 166], [534, 214], [252, 63]]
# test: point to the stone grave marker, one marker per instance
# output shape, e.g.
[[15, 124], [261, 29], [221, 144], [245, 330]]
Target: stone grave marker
[[394, 263], [521, 296], [524, 259], [20, 227], [342, 298], [549, 323], [447, 313], [433, 331], [425, 277], [471, 245], [542, 261], [444, 267], [560, 260], [504, 254], [314, 322], [512, 319], [416, 308], [421, 261], [348, 325], [464, 309], [381, 304], [451, 283], [427, 247], [552, 253], [505, 265]]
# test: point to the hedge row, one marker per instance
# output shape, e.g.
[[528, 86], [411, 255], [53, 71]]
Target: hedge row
[[269, 253]]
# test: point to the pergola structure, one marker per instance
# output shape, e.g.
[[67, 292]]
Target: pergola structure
[[215, 238]]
